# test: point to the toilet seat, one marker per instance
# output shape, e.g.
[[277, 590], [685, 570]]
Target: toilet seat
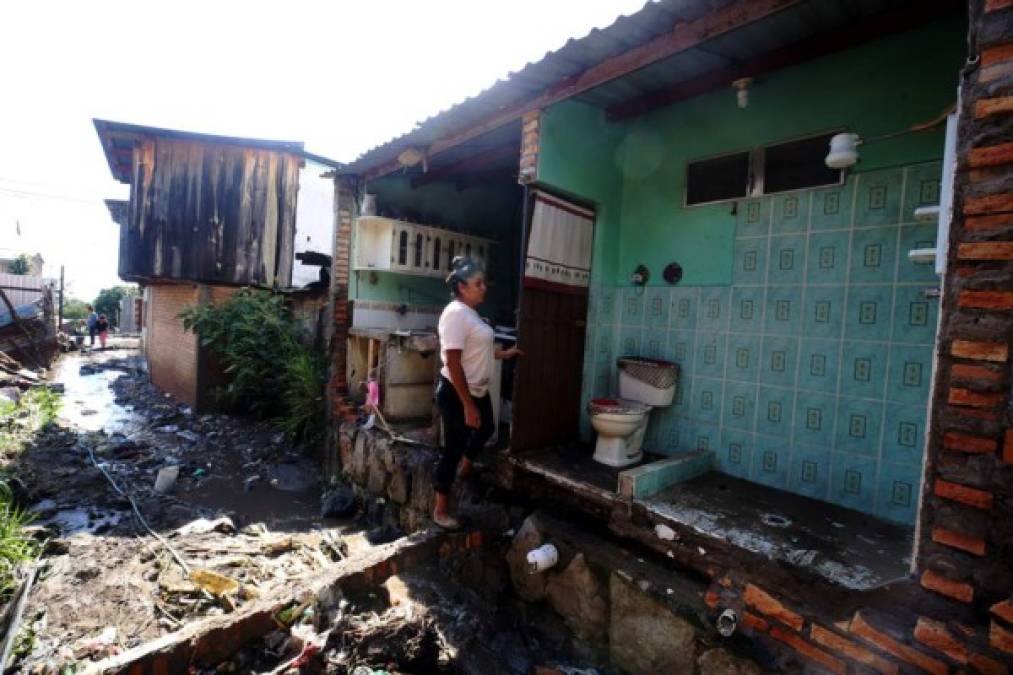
[[617, 406]]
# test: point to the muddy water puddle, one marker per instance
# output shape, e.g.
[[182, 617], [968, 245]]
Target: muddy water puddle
[[89, 403]]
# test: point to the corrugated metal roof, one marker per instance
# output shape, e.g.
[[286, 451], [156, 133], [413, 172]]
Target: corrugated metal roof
[[118, 140], [654, 19]]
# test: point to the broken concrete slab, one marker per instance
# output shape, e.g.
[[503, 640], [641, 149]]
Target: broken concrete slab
[[530, 587], [645, 638], [720, 661], [580, 598]]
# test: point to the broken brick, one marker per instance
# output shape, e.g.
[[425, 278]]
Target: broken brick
[[986, 299], [767, 604], [750, 620], [992, 155], [974, 399], [963, 541], [995, 5], [957, 590], [981, 351], [1003, 610], [955, 440], [864, 630], [1000, 638], [979, 499], [793, 640], [935, 635], [852, 650]]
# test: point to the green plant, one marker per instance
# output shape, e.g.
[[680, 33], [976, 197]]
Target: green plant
[[270, 371], [20, 265], [108, 302]]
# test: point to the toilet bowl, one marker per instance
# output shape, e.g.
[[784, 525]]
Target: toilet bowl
[[622, 422]]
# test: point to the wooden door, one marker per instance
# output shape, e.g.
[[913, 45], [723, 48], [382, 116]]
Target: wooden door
[[551, 328]]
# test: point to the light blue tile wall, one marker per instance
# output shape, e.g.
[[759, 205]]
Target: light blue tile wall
[[810, 372]]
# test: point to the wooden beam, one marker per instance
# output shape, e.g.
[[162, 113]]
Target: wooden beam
[[816, 46], [469, 164], [683, 36]]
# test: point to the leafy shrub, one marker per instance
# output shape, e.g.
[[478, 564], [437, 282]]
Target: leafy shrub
[[270, 371]]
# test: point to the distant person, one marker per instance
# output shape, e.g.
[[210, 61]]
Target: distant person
[[102, 326], [92, 323]]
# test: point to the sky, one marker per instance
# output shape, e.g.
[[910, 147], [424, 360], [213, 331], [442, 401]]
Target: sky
[[340, 76]]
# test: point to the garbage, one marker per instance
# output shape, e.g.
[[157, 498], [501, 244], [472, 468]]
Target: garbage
[[100, 646], [166, 478], [383, 535], [339, 502], [203, 526], [11, 394], [188, 436], [249, 482], [168, 428], [664, 532], [216, 584], [199, 472]]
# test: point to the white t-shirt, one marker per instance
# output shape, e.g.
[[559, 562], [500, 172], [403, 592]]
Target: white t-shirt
[[462, 328]]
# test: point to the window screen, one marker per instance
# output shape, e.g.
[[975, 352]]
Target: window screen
[[798, 164], [711, 180]]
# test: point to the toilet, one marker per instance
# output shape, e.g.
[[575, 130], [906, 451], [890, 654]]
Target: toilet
[[621, 422]]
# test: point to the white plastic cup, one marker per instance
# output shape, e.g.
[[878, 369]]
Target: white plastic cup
[[166, 478], [542, 558]]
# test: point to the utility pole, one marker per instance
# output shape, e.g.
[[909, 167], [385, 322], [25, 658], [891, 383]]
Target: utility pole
[[59, 325]]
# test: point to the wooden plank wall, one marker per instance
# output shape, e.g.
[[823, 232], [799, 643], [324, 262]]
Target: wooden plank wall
[[210, 212]]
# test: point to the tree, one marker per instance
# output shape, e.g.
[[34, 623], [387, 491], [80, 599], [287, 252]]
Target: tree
[[20, 265], [74, 309], [108, 302]]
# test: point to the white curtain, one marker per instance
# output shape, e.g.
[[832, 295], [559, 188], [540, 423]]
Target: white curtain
[[559, 245]]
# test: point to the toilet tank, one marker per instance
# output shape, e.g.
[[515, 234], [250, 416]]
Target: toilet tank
[[649, 381]]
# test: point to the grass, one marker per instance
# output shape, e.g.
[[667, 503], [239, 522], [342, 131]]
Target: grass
[[19, 423]]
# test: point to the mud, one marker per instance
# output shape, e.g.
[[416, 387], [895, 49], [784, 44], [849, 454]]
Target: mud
[[245, 506]]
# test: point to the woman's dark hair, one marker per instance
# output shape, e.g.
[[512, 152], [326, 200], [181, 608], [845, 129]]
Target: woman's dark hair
[[462, 269]]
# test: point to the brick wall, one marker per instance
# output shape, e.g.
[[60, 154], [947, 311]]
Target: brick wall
[[966, 529], [342, 315], [172, 352]]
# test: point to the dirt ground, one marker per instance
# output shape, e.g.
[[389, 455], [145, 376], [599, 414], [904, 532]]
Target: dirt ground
[[245, 506], [243, 517]]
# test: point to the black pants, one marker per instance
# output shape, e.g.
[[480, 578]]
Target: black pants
[[458, 438], [92, 332]]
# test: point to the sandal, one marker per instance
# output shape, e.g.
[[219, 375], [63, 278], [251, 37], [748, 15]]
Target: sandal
[[447, 522]]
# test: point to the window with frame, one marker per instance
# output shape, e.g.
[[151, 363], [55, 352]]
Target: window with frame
[[779, 167]]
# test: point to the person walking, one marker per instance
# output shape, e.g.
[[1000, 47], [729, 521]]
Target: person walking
[[102, 326], [467, 351], [92, 322]]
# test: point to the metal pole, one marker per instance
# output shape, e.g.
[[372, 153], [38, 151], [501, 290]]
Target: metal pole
[[59, 325]]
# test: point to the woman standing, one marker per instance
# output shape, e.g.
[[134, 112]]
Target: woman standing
[[102, 326], [467, 351]]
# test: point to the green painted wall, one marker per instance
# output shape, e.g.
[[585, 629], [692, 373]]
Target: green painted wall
[[579, 157], [492, 210], [878, 88]]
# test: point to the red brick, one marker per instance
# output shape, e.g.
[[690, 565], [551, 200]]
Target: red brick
[[991, 204], [767, 604], [1007, 447], [992, 155], [956, 440], [988, 666], [997, 54], [1003, 610], [988, 223], [966, 371], [934, 634], [957, 590], [794, 641], [864, 630], [975, 413], [993, 106], [986, 299], [993, 5], [981, 351], [999, 637], [961, 540], [852, 650], [975, 399], [992, 250], [979, 499], [756, 623]]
